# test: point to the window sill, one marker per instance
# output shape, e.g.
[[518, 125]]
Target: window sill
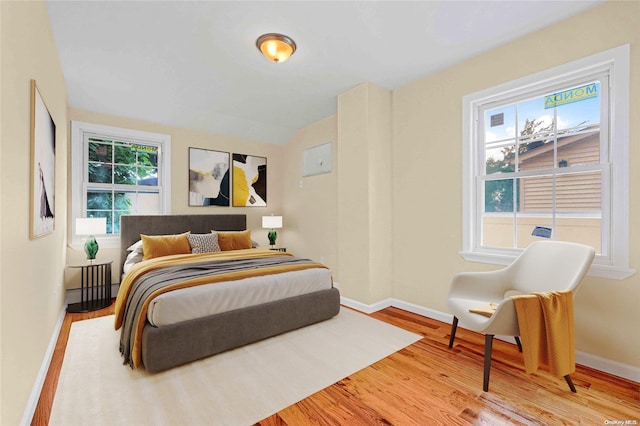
[[596, 270]]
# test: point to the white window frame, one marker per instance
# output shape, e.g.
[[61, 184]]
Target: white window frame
[[614, 262], [78, 172]]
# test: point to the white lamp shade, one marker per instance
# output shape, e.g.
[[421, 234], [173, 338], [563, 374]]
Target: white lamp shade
[[272, 222], [91, 225]]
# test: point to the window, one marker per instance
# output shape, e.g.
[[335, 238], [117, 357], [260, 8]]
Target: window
[[547, 157], [118, 171]]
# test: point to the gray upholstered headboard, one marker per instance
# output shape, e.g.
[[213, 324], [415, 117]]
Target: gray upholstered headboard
[[132, 226]]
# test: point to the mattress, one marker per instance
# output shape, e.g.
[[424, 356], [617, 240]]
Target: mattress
[[209, 299]]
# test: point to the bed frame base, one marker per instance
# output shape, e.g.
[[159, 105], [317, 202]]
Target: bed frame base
[[170, 346]]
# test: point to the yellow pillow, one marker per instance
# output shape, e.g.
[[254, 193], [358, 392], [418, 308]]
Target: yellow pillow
[[164, 245], [234, 240]]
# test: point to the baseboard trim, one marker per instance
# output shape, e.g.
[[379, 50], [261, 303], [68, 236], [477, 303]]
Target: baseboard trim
[[32, 403], [608, 366], [615, 368], [362, 307]]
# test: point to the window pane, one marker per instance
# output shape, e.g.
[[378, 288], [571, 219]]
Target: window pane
[[101, 152], [125, 175], [124, 154], [100, 172], [583, 112], [499, 157], [535, 194], [147, 176], [498, 195], [579, 193], [579, 149], [99, 200], [148, 202], [124, 201], [535, 209], [579, 207], [500, 123], [497, 230], [530, 227], [584, 230], [536, 153], [132, 202], [533, 118], [147, 155]]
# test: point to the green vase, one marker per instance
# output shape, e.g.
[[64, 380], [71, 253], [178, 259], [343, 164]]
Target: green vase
[[91, 247], [272, 237]]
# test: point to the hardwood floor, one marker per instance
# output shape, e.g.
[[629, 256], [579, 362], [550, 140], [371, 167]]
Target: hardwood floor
[[428, 383]]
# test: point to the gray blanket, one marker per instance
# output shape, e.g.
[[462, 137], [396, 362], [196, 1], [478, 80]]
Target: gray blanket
[[163, 277]]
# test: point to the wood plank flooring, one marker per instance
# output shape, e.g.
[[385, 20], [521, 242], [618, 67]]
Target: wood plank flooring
[[428, 383]]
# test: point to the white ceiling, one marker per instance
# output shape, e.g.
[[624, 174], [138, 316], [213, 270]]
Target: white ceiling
[[195, 64]]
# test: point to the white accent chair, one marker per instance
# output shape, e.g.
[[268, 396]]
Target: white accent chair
[[543, 266]]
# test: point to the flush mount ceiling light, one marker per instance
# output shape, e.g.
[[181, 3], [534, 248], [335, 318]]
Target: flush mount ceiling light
[[276, 47]]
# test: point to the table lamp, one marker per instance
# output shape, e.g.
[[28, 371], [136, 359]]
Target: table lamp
[[272, 223], [91, 226]]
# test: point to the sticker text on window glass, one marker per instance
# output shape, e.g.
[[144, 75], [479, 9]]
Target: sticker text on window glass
[[572, 95]]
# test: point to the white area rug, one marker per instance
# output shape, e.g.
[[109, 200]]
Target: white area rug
[[238, 387]]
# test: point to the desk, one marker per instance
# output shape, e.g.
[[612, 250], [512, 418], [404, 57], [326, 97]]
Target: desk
[[95, 286]]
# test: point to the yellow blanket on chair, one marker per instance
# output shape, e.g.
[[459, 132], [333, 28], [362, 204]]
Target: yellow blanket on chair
[[545, 321]]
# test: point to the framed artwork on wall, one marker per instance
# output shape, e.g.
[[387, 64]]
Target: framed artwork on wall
[[43, 171], [249, 181], [208, 177]]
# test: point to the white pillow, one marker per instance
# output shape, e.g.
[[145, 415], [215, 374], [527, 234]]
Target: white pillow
[[136, 247], [133, 258]]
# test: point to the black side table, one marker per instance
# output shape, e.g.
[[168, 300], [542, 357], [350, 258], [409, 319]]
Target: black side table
[[95, 286]]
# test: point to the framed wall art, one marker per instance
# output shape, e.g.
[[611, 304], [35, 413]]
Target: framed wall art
[[208, 177], [43, 171], [249, 181]]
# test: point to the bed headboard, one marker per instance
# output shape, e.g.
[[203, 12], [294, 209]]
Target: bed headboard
[[132, 226]]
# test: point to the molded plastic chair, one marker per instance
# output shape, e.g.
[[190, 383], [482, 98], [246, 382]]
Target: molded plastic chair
[[543, 266]]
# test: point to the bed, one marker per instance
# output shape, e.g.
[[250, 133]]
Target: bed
[[163, 346]]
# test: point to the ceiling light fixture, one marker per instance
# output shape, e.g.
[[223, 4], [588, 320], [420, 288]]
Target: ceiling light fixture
[[276, 47]]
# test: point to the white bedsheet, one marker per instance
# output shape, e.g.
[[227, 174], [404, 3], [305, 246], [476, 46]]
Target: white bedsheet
[[196, 302]]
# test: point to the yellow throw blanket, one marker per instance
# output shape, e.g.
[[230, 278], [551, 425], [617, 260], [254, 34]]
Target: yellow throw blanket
[[545, 321], [167, 261]]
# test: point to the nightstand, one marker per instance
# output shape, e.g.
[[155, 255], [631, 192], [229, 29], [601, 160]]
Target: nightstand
[[278, 249], [95, 286]]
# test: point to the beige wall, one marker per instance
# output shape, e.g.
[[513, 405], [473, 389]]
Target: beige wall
[[427, 150], [181, 140], [310, 214], [31, 293], [364, 193]]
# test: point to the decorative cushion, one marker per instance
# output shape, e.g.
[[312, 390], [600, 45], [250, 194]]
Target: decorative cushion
[[164, 245], [204, 243], [234, 240]]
